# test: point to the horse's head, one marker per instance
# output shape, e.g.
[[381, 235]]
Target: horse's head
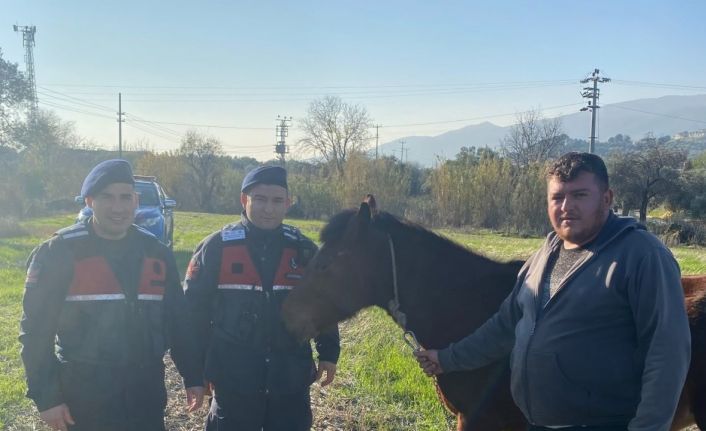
[[345, 274]]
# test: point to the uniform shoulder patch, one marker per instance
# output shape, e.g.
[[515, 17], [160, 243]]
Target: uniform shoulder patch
[[194, 268], [144, 231], [33, 270], [74, 231], [291, 232], [232, 232]]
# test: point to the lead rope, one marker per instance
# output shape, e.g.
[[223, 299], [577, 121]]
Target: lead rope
[[401, 318], [394, 304]]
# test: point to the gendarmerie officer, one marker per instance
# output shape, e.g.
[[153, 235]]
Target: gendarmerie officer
[[236, 283], [102, 304]]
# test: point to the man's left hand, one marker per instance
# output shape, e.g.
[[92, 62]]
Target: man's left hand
[[329, 368], [194, 398]]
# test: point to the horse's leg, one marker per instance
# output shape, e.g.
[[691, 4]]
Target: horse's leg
[[698, 407]]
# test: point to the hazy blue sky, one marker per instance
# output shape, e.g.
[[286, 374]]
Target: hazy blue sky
[[240, 64]]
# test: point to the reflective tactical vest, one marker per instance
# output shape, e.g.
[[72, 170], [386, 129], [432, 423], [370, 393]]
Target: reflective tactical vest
[[103, 321], [251, 350]]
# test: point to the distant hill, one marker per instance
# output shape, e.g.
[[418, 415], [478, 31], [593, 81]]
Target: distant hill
[[634, 118]]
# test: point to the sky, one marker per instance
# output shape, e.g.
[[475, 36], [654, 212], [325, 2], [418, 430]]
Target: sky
[[229, 68]]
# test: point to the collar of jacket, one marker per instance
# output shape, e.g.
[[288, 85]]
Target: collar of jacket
[[612, 229], [255, 232]]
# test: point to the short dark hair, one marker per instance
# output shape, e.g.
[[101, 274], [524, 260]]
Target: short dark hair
[[567, 167]]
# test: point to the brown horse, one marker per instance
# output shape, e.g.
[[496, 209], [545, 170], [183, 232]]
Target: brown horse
[[442, 291]]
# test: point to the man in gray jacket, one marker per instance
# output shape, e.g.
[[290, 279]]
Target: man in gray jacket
[[596, 325]]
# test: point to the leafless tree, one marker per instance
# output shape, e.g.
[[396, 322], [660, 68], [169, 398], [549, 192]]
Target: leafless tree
[[334, 129], [203, 155], [533, 139]]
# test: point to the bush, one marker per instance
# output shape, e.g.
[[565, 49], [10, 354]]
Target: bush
[[677, 230]]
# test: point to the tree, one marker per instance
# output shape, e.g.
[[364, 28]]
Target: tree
[[169, 168], [14, 92], [691, 195], [533, 139], [334, 130], [646, 174], [203, 156]]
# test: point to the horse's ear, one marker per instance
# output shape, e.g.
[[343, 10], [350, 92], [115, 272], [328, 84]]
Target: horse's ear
[[364, 214], [361, 222], [370, 200]]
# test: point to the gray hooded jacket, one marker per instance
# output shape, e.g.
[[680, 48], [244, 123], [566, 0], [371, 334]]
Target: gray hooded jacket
[[611, 347]]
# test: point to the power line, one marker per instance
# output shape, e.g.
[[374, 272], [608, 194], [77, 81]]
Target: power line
[[147, 123], [221, 126], [655, 113], [279, 88], [214, 126], [158, 135], [67, 108], [76, 99], [484, 117], [657, 85]]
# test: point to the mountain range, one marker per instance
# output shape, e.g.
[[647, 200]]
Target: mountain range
[[667, 115]]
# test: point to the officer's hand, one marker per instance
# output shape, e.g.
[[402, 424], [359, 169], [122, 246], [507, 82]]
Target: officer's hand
[[429, 362], [58, 417], [330, 369], [194, 398]]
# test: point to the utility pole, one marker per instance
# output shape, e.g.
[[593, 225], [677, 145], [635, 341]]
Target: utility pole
[[377, 126], [402, 151], [120, 125], [28, 42], [593, 94], [281, 133]]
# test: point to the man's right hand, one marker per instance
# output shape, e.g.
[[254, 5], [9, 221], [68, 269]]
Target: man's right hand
[[58, 418], [429, 362]]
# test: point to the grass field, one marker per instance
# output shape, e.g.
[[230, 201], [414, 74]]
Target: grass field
[[378, 385]]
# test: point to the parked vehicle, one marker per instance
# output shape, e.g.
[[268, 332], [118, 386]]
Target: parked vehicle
[[154, 213]]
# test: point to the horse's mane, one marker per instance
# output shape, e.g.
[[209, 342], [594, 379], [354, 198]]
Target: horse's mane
[[336, 226], [389, 223]]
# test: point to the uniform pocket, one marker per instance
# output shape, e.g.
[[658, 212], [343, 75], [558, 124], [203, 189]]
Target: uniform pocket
[[239, 314], [234, 367]]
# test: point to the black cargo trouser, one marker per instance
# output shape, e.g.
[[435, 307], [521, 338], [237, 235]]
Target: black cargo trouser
[[115, 398], [256, 412]]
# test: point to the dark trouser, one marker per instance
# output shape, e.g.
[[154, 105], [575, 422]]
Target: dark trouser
[[109, 398], [260, 412], [581, 428]]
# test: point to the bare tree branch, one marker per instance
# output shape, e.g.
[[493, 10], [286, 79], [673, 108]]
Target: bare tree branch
[[533, 139], [334, 129], [202, 154]]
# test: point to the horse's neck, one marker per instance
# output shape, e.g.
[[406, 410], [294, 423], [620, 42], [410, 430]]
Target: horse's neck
[[446, 293]]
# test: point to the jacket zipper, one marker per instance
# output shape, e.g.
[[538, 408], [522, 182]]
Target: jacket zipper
[[526, 379]]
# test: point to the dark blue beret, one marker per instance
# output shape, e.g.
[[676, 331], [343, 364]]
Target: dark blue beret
[[273, 175], [106, 173]]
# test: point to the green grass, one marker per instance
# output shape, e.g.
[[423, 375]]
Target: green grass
[[378, 385]]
